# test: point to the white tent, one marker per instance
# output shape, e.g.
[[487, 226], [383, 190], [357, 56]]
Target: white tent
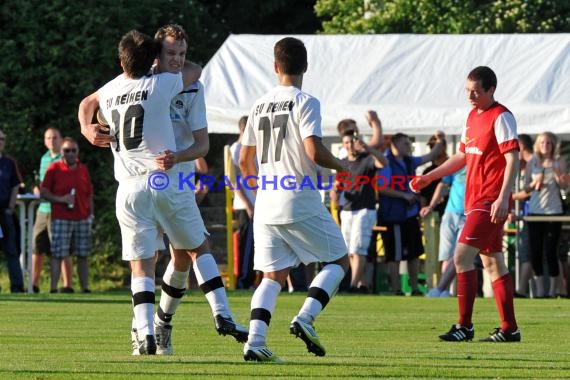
[[415, 82]]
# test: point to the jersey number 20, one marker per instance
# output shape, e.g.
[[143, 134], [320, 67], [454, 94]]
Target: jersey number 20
[[279, 121]]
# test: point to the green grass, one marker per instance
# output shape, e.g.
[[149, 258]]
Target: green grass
[[87, 337]]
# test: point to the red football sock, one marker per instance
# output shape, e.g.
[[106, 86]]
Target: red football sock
[[466, 293], [504, 291]]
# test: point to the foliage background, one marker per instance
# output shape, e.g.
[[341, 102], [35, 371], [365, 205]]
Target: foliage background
[[55, 52]]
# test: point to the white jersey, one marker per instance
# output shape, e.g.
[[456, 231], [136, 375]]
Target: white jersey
[[138, 115], [188, 114], [277, 125]]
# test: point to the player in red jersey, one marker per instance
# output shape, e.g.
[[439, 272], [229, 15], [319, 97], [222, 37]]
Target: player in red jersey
[[489, 148]]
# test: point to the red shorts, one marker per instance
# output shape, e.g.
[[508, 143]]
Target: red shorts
[[480, 232]]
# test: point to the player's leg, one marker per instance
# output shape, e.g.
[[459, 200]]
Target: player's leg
[[174, 282], [182, 222], [466, 293], [136, 212], [317, 239], [210, 282], [274, 258], [262, 306], [503, 289], [473, 238], [143, 296]]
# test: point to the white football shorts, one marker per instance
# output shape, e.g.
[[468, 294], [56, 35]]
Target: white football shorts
[[314, 239], [144, 214]]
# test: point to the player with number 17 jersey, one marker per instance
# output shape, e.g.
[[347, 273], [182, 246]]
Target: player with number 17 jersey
[[277, 125], [140, 122]]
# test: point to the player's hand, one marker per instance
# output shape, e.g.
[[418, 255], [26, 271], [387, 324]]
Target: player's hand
[[166, 160], [418, 183], [97, 135], [499, 211]]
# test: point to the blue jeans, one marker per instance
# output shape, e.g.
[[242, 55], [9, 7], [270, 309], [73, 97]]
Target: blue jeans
[[10, 249]]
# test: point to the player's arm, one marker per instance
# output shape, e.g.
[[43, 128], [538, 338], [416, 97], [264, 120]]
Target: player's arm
[[450, 166], [92, 132], [500, 208], [320, 155], [191, 73], [197, 150], [247, 166]]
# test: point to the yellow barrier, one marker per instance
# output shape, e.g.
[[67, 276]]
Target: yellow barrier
[[229, 172]]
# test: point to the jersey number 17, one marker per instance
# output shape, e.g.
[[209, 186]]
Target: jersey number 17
[[279, 121]]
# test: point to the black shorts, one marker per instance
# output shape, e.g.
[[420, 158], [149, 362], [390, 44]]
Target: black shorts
[[403, 241]]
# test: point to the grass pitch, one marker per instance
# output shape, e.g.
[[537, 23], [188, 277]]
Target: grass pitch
[[77, 336]]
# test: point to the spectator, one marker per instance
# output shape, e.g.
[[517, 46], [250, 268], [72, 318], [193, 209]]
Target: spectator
[[400, 207], [523, 243], [67, 185], [10, 180], [42, 225], [428, 191], [358, 214], [243, 204], [545, 175], [349, 126], [451, 226]]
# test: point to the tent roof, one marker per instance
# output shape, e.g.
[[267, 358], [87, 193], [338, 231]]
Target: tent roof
[[414, 82]]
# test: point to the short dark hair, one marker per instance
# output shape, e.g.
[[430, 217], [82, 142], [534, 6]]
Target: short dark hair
[[70, 140], [398, 136], [290, 56], [137, 52], [346, 126], [485, 75], [171, 30], [526, 142]]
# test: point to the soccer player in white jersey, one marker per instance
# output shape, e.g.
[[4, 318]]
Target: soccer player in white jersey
[[188, 115], [290, 225], [137, 105]]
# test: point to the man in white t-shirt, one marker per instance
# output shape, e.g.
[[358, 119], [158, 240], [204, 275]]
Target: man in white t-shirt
[[291, 224]]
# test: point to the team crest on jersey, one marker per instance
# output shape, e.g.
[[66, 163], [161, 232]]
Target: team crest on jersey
[[179, 103]]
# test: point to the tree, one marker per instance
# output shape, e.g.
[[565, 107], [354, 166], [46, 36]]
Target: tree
[[56, 52], [444, 16]]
